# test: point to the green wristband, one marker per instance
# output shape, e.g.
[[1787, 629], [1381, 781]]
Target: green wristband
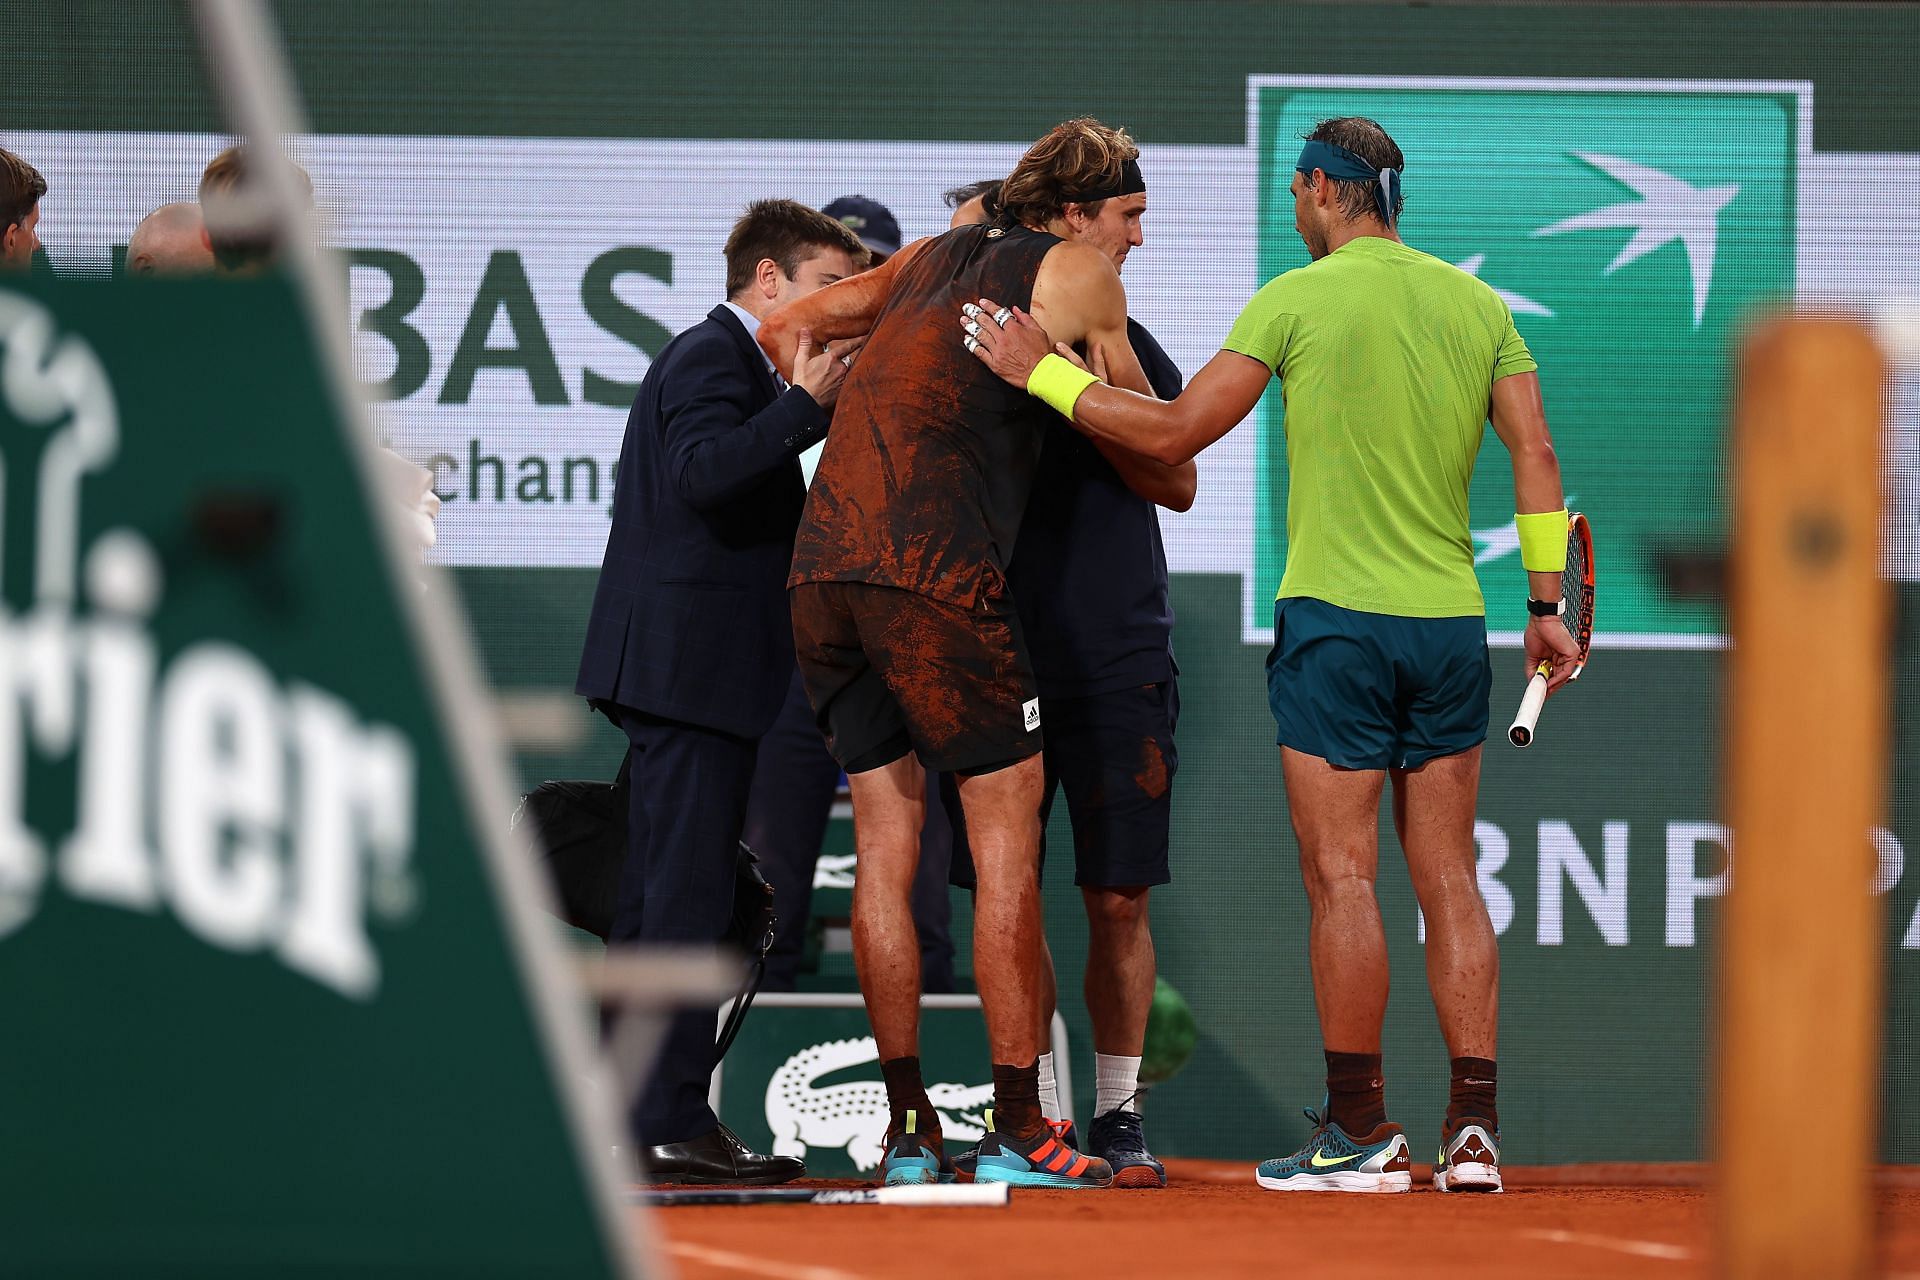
[[1543, 541], [1059, 382]]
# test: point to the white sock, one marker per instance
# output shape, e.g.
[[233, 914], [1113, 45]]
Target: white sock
[[1116, 1084], [1049, 1091]]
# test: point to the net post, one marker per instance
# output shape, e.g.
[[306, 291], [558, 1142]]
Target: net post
[[1800, 974]]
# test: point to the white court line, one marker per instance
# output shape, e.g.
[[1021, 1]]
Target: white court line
[[753, 1266], [1637, 1248]]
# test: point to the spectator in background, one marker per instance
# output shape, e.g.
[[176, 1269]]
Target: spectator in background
[[795, 780], [240, 231], [690, 644], [170, 241], [21, 187], [872, 221]]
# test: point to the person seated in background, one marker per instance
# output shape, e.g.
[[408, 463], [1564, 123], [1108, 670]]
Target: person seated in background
[[170, 241], [21, 187], [239, 220]]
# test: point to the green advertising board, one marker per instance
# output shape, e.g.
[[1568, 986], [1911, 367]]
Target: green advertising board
[[271, 1002], [1631, 227]]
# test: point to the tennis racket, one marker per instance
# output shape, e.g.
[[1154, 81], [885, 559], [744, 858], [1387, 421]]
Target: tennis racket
[[1576, 588]]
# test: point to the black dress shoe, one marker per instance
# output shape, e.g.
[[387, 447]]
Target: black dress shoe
[[717, 1158]]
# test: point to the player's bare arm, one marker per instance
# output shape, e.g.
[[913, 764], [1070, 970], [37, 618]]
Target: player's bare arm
[[1077, 292], [836, 315], [1519, 417], [1171, 432]]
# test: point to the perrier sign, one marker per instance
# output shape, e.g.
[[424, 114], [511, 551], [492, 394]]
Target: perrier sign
[[1631, 228], [262, 1011]]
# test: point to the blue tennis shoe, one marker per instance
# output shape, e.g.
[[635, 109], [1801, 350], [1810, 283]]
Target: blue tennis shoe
[[1335, 1160]]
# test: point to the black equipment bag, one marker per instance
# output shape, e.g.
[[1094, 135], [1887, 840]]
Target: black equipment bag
[[580, 826]]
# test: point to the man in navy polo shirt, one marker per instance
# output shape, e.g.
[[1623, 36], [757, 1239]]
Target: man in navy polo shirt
[[1089, 575]]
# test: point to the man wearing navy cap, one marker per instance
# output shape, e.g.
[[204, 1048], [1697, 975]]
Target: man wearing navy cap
[[872, 221]]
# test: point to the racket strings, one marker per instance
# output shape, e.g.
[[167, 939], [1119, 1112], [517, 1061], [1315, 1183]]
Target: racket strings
[[1573, 585], [1577, 589]]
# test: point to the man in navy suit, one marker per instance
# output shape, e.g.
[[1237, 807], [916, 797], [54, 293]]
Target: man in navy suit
[[690, 645]]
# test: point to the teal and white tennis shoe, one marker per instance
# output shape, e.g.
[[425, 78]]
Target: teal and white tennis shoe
[[1335, 1160]]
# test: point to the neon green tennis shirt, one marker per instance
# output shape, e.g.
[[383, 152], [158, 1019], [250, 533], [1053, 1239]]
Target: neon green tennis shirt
[[1387, 358]]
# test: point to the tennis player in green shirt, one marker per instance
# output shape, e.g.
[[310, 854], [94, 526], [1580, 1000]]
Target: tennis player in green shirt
[[1391, 362]]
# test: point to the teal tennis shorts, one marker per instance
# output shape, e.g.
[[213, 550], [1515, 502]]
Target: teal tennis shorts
[[1374, 691]]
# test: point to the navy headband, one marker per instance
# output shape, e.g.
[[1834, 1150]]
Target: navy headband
[[1343, 165], [1128, 182]]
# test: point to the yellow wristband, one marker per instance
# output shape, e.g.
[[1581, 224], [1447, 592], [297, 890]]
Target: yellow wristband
[[1543, 541], [1059, 382]]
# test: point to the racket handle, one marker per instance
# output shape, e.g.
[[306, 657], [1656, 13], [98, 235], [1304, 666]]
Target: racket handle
[[1521, 734]]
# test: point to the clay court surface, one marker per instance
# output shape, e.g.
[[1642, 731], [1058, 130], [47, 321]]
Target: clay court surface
[[1213, 1222]]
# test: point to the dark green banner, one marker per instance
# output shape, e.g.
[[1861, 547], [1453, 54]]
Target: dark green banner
[[265, 1009]]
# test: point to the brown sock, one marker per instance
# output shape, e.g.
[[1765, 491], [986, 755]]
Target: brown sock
[[907, 1092], [1356, 1094], [1016, 1100], [1472, 1094]]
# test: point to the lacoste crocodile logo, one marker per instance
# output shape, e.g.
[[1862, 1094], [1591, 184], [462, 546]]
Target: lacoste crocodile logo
[[852, 1117]]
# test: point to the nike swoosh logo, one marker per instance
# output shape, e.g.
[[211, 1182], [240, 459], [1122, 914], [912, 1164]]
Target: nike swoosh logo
[[1319, 1163]]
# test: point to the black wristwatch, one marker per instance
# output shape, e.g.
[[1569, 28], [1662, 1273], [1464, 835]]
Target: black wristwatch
[[1547, 608]]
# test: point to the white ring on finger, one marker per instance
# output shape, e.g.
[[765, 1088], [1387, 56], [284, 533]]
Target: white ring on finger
[[970, 342], [972, 327], [847, 361], [1003, 315]]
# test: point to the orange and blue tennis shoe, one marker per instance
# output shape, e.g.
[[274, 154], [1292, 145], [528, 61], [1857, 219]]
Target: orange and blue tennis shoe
[[1040, 1161], [1062, 1129], [1335, 1160]]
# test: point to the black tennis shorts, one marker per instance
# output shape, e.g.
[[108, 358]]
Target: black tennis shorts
[[1112, 754], [890, 671]]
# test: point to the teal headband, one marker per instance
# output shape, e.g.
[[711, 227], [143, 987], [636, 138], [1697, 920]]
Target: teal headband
[[1343, 165]]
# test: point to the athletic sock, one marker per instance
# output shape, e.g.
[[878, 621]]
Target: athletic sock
[[1472, 1094], [1116, 1084], [1016, 1100], [1049, 1090], [1356, 1094], [907, 1092]]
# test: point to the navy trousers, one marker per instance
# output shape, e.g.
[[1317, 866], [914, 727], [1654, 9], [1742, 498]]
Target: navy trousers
[[793, 787], [676, 886]]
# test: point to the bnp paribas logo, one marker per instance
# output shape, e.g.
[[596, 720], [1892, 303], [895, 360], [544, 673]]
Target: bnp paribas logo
[[190, 782], [1631, 227]]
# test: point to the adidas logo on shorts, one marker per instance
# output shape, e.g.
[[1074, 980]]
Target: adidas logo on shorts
[[1031, 709]]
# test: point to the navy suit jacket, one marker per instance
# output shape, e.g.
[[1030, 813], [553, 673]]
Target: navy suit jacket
[[690, 617]]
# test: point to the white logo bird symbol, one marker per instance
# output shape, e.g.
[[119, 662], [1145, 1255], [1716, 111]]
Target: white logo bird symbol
[[1668, 210]]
